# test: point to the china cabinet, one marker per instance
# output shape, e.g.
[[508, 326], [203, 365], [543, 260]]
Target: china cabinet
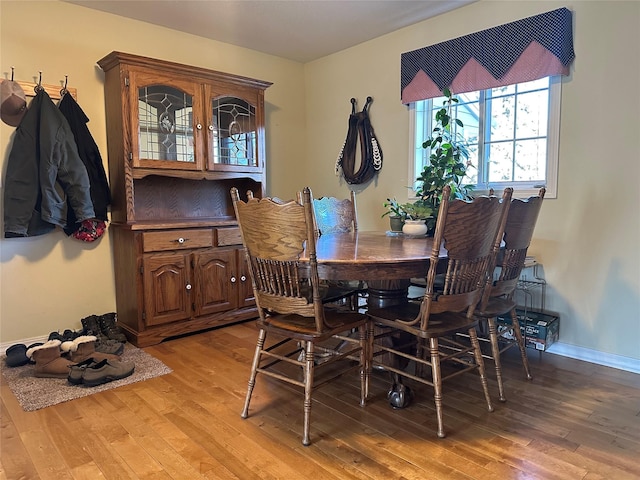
[[179, 137]]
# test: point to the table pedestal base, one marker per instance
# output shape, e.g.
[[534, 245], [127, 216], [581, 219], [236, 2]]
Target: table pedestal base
[[385, 293]]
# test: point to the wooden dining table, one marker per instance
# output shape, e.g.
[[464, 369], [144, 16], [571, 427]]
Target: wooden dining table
[[386, 262]]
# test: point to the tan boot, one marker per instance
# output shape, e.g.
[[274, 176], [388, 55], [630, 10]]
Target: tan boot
[[49, 363], [83, 348]]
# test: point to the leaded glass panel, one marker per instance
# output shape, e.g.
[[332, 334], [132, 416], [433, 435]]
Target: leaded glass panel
[[166, 124], [234, 132]]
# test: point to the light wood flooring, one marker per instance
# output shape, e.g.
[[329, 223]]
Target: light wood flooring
[[575, 420]]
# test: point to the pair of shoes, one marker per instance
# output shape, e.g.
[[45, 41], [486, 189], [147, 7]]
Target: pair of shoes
[[67, 337], [92, 373], [104, 327], [91, 326], [48, 359]]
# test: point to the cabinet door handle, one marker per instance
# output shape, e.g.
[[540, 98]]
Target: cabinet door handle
[[243, 278], [233, 279], [199, 126], [181, 240], [188, 287]]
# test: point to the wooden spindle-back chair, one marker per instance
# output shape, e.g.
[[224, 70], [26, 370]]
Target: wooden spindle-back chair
[[290, 306], [498, 298], [470, 231]]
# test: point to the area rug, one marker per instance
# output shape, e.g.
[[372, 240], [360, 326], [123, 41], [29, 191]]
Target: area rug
[[36, 393]]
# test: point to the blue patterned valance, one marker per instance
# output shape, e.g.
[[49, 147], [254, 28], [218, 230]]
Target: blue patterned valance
[[520, 51]]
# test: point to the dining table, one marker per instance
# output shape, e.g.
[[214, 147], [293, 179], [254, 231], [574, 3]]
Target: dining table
[[385, 260]]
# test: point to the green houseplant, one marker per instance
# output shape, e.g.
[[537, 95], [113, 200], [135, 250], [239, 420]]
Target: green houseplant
[[448, 159], [419, 218], [396, 214]]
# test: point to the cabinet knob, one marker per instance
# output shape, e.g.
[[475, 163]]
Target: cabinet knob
[[199, 126], [243, 278], [181, 240], [188, 287], [233, 279], [211, 128]]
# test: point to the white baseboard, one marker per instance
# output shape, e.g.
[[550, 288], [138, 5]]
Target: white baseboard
[[26, 341], [593, 356]]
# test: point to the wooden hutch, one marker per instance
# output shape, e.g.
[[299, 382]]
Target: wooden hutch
[[179, 137]]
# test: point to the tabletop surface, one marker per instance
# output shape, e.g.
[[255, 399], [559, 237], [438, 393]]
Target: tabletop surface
[[371, 247], [367, 255]]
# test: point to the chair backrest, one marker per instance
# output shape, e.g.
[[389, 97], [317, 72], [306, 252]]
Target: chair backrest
[[470, 231], [518, 231], [274, 234], [334, 215]]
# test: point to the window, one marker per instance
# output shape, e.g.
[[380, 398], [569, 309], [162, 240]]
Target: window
[[512, 134]]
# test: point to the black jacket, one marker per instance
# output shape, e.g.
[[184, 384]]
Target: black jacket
[[90, 156], [44, 170]]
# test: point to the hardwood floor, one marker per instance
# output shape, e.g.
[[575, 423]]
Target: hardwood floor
[[575, 420]]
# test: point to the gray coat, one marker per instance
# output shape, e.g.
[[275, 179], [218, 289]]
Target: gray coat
[[43, 170]]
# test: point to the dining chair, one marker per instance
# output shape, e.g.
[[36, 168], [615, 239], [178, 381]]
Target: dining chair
[[498, 296], [423, 333], [334, 215], [289, 302]]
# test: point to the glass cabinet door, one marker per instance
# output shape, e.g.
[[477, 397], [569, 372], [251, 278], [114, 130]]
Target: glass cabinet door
[[234, 134], [166, 119]]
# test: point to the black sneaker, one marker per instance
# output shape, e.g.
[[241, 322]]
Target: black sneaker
[[55, 336]]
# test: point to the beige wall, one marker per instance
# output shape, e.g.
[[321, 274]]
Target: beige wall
[[49, 283], [587, 238]]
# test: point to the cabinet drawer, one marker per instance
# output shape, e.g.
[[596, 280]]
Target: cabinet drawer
[[176, 239], [228, 236]]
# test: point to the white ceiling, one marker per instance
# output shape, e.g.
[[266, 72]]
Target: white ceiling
[[299, 30]]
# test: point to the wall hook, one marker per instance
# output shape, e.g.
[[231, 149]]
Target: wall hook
[[38, 87], [64, 89]]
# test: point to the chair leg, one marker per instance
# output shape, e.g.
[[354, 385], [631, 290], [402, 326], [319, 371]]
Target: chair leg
[[365, 365], [308, 388], [523, 350], [437, 383], [262, 335], [480, 362], [495, 352]]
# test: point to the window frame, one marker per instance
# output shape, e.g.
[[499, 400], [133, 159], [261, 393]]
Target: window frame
[[521, 189]]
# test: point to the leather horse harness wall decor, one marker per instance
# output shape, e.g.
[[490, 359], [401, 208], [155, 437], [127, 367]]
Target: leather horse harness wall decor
[[371, 162]]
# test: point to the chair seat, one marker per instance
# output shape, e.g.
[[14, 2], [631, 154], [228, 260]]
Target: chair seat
[[496, 306], [304, 328], [440, 325]]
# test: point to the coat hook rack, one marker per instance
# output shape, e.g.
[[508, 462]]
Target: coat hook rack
[[53, 91]]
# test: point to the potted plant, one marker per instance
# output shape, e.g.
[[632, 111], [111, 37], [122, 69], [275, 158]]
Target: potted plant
[[419, 218], [396, 214], [448, 159]]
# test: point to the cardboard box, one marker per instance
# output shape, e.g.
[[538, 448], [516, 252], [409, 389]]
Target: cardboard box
[[540, 329]]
